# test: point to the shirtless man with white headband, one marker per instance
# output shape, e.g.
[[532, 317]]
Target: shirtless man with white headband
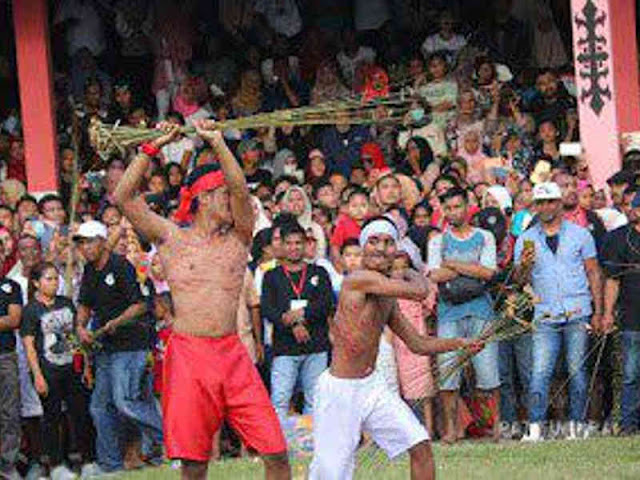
[[350, 396]]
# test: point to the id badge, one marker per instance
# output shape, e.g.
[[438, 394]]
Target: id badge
[[298, 304]]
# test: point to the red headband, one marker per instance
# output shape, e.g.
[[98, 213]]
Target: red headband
[[210, 181]]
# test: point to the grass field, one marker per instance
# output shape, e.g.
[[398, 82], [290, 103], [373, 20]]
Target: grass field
[[606, 458]]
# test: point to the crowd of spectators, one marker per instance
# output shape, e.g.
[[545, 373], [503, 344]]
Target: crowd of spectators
[[475, 179]]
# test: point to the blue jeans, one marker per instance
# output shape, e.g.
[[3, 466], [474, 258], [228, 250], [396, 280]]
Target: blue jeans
[[285, 372], [548, 339], [630, 380], [467, 320], [515, 356], [121, 394]]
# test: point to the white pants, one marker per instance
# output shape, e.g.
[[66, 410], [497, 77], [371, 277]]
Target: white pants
[[343, 409]]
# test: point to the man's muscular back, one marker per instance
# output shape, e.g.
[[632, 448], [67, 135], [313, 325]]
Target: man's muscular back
[[206, 277]]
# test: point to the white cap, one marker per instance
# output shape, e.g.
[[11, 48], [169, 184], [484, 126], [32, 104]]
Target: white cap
[[547, 191], [91, 229]]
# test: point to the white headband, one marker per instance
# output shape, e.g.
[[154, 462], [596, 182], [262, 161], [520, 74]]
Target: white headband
[[378, 227]]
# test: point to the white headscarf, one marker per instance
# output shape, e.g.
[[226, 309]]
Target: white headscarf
[[501, 195]]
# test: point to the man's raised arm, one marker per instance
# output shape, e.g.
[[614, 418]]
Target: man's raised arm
[[241, 207], [144, 220], [412, 287], [425, 345]]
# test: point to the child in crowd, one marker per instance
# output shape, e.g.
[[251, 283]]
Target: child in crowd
[[349, 225]]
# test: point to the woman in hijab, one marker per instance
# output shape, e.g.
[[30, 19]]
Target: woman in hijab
[[499, 197], [286, 163], [260, 214], [373, 160]]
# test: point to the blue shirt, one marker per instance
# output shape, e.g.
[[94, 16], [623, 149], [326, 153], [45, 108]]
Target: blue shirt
[[560, 280]]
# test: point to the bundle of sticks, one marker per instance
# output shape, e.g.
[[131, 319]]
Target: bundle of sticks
[[513, 318], [114, 139]]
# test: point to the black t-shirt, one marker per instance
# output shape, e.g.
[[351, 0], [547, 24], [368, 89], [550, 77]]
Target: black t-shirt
[[109, 292], [10, 294], [50, 326], [621, 260], [277, 296]]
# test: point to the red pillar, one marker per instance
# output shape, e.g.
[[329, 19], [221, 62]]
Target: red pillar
[[605, 56], [31, 24]]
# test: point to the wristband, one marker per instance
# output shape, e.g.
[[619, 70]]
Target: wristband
[[149, 150]]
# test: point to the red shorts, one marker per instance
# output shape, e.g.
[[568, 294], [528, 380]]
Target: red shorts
[[207, 380]]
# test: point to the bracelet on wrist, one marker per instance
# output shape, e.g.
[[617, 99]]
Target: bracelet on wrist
[[149, 149]]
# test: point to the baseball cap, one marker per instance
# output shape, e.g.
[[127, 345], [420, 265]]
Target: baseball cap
[[90, 230], [547, 191]]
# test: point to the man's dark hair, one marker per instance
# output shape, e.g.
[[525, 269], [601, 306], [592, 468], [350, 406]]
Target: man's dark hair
[[349, 242], [449, 178], [292, 228], [267, 185], [279, 197], [456, 191], [326, 211], [104, 209], [159, 173], [177, 115], [357, 165], [8, 209], [439, 56], [622, 177], [290, 179], [51, 197], [318, 185], [545, 70], [26, 199], [261, 240], [283, 219], [357, 191]]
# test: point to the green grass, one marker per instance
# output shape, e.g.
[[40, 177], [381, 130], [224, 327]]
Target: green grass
[[607, 458]]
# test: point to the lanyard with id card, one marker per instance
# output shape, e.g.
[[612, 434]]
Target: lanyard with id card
[[297, 304]]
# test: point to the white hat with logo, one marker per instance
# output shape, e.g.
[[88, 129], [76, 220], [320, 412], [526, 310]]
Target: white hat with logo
[[547, 191], [90, 230]]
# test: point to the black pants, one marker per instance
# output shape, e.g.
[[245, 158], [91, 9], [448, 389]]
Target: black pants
[[64, 385]]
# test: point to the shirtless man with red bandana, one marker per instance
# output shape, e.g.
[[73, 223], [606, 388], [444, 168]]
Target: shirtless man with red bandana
[[209, 376]]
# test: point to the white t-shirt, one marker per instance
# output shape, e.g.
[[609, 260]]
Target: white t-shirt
[[87, 32], [173, 152]]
